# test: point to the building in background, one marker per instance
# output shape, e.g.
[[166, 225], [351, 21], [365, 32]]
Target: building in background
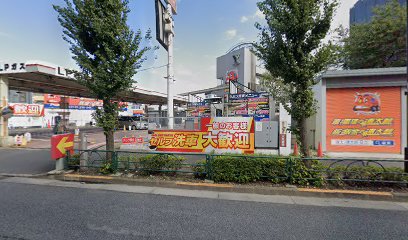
[[362, 11], [44, 110]]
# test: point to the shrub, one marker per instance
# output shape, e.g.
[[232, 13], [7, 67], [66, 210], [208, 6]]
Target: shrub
[[73, 161], [243, 169], [153, 164], [199, 169], [343, 175], [274, 169], [128, 162], [236, 169], [303, 175], [106, 168]]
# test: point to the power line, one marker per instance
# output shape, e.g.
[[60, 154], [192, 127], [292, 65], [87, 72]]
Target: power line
[[141, 70]]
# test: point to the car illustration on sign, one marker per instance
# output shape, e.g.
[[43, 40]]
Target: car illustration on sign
[[367, 103]]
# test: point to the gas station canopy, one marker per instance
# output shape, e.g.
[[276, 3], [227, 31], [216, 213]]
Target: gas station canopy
[[41, 78]]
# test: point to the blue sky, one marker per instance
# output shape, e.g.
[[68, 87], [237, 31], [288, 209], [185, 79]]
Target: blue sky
[[204, 31]]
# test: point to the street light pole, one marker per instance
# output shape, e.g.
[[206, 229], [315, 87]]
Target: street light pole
[[170, 68]]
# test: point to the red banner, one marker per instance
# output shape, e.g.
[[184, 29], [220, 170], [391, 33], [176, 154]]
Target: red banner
[[132, 140]]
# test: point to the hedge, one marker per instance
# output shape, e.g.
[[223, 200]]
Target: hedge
[[151, 164], [278, 170]]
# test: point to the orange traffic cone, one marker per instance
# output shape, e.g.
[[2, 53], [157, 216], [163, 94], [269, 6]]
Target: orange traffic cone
[[295, 150], [319, 150], [49, 124]]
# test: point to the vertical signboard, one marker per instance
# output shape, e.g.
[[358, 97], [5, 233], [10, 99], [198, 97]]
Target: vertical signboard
[[364, 120], [173, 5]]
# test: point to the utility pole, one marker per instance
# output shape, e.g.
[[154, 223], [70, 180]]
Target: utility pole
[[406, 117], [169, 29]]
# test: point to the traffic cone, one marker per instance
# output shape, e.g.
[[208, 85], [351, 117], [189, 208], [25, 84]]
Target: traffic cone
[[49, 124], [295, 150], [319, 150]]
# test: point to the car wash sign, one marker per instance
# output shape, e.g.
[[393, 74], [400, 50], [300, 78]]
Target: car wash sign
[[219, 134], [364, 120]]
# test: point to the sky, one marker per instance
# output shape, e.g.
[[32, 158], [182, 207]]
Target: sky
[[204, 30]]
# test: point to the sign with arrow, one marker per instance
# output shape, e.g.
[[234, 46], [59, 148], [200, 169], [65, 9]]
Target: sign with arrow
[[60, 144]]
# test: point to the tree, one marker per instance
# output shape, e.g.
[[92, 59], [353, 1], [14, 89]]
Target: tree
[[379, 43], [107, 52], [291, 48]]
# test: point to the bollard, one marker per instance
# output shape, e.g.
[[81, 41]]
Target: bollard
[[27, 135]]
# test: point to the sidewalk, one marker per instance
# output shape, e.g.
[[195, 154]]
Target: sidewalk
[[288, 190], [220, 195]]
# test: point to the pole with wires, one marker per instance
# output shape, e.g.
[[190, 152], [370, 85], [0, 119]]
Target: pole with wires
[[170, 69]]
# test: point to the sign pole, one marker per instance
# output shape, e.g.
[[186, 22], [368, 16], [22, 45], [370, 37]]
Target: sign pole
[[59, 164], [170, 70]]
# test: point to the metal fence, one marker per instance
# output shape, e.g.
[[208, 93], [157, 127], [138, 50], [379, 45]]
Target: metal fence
[[141, 162], [179, 123], [246, 168]]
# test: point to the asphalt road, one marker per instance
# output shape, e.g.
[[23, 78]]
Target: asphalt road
[[25, 161], [49, 212]]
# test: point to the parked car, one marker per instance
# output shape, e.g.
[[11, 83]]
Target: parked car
[[135, 123]]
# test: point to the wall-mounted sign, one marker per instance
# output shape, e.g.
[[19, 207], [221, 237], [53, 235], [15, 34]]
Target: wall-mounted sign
[[132, 140], [198, 109], [232, 75], [220, 134], [364, 120], [23, 109], [249, 105], [282, 140], [12, 67], [54, 101]]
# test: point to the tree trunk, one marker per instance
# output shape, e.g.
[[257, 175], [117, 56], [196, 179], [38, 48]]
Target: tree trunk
[[110, 145], [303, 144], [108, 130]]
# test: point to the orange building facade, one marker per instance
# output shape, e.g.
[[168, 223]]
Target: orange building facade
[[362, 111]]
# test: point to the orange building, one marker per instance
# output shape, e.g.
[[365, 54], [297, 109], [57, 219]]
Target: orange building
[[361, 111]]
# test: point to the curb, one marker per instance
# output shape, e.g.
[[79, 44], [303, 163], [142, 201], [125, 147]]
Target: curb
[[23, 175], [263, 190]]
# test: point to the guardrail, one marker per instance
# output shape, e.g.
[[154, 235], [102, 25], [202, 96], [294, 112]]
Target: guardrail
[[244, 168]]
